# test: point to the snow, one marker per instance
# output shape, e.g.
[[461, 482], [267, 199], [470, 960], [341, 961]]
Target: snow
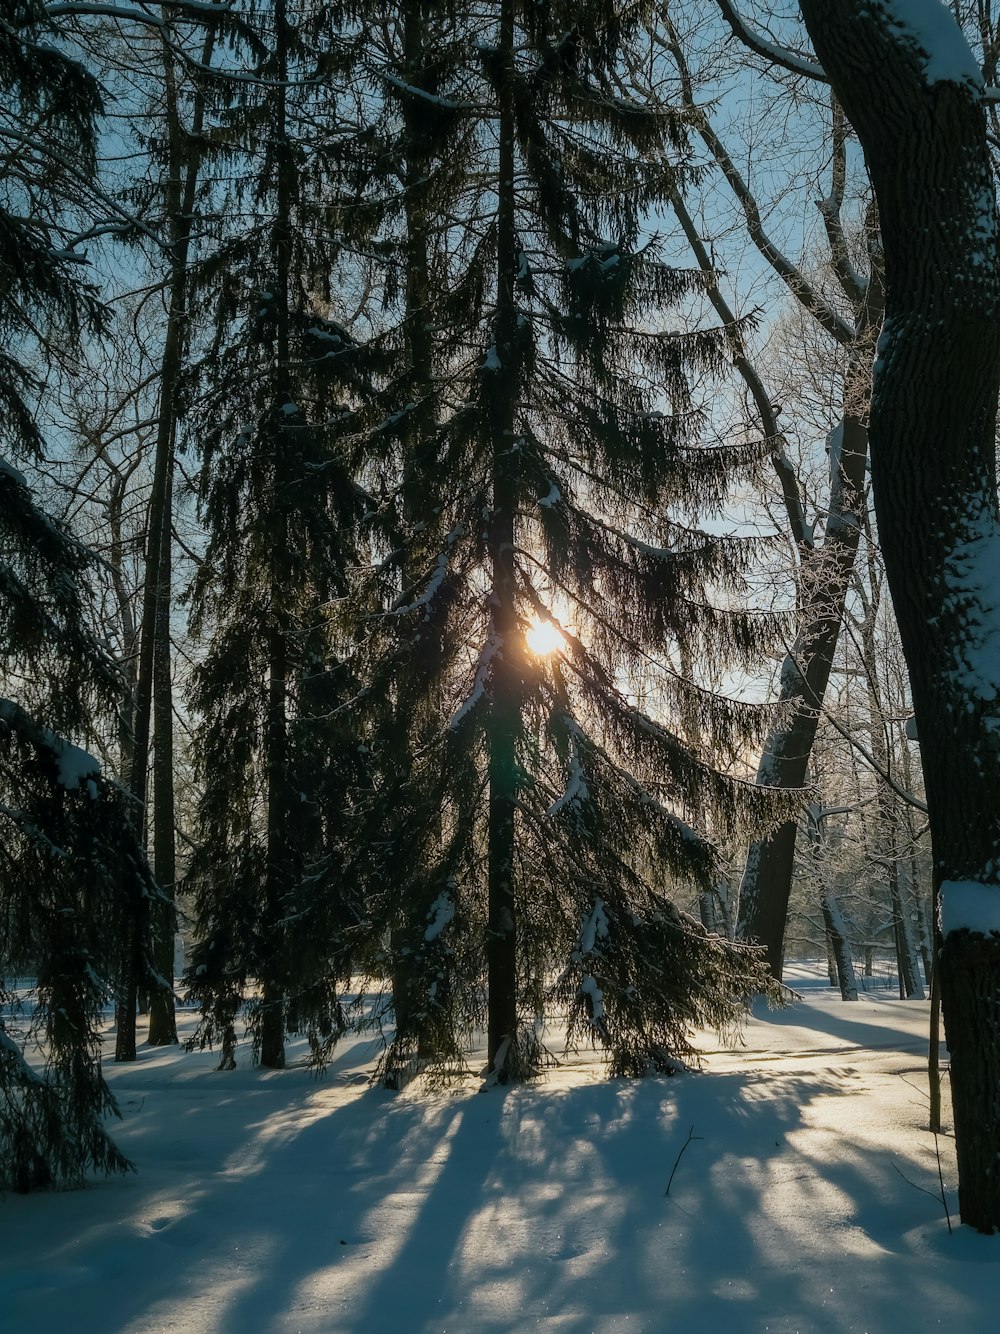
[[590, 988], [576, 792], [75, 765], [595, 928], [969, 905], [441, 913], [275, 1203], [430, 592], [930, 26], [10, 471], [552, 498], [487, 653], [492, 361], [324, 335]]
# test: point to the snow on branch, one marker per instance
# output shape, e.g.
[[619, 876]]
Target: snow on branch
[[576, 791], [488, 652], [73, 764], [758, 43], [108, 9]]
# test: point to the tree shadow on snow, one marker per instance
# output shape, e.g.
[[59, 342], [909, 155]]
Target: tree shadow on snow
[[322, 1208]]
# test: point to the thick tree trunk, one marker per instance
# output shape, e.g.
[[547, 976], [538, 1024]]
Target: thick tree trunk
[[824, 571], [933, 472], [824, 578]]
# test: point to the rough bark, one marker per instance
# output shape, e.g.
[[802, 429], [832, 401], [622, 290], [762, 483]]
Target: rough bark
[[824, 577], [933, 472]]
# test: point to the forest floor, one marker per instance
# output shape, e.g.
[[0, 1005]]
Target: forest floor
[[276, 1203]]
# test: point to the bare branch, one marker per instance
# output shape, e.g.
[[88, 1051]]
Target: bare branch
[[761, 46], [790, 491]]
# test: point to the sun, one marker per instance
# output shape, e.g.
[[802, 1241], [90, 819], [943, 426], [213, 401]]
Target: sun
[[543, 637]]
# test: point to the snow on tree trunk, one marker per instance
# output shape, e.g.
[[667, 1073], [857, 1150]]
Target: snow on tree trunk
[[911, 89]]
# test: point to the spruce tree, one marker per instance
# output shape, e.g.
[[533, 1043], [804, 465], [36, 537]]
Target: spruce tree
[[550, 469], [72, 876], [275, 755]]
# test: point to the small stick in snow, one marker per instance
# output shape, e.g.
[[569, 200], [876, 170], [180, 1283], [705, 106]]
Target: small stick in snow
[[940, 1196], [691, 1136], [944, 1198]]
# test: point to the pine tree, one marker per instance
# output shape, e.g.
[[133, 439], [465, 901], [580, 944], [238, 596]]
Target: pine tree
[[552, 474], [72, 877]]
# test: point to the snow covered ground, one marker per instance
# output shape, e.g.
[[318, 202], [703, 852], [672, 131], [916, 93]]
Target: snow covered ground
[[278, 1204]]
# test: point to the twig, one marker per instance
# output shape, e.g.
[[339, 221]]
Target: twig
[[944, 1201], [934, 1195], [691, 1136]]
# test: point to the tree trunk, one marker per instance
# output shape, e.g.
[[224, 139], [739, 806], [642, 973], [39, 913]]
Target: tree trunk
[[504, 721], [831, 962], [824, 571], [825, 575], [180, 193], [162, 1017], [934, 478], [417, 180], [277, 874], [840, 947], [934, 1053], [838, 944]]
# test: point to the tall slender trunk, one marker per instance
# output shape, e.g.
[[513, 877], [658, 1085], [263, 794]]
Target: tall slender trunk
[[162, 1017], [838, 945], [501, 949], [934, 479], [182, 184], [282, 422], [889, 820], [419, 353], [154, 625]]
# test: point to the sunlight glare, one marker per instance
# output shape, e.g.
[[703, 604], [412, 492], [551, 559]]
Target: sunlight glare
[[543, 637]]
